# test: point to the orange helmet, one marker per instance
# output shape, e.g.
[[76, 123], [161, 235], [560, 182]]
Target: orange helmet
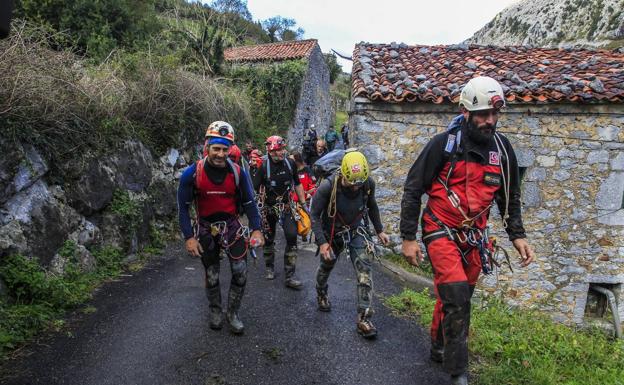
[[220, 129], [235, 153], [275, 142]]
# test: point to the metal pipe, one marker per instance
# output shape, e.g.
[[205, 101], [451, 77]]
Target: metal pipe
[[614, 307]]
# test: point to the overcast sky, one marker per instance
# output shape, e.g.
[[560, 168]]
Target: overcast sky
[[340, 24]]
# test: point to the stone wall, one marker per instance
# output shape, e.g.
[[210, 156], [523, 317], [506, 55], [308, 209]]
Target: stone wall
[[572, 189], [314, 106], [42, 205]]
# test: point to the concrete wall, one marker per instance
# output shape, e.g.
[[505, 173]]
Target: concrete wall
[[314, 101], [573, 183]]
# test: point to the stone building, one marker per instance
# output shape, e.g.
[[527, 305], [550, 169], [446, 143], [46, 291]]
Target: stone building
[[314, 104], [565, 118]]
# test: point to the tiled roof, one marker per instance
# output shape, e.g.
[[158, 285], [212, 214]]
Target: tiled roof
[[284, 50], [401, 73]]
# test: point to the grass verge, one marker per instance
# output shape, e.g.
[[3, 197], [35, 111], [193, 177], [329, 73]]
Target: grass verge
[[526, 347], [39, 299]]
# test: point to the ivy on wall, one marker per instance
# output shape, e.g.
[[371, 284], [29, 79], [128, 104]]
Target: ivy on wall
[[274, 92]]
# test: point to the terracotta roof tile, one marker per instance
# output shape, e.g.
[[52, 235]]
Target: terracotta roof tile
[[400, 73], [284, 50]]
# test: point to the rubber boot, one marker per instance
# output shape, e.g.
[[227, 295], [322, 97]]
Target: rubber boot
[[322, 300], [290, 259], [364, 325], [216, 313], [437, 347], [269, 260], [234, 301], [436, 353], [459, 379]]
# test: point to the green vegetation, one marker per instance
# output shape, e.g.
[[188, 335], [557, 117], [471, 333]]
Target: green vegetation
[[335, 69], [526, 347], [595, 17], [341, 118], [424, 268], [274, 92], [128, 208], [340, 93], [82, 76], [39, 298]]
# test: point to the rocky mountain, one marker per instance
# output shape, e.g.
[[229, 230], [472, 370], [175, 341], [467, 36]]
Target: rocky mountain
[[556, 23]]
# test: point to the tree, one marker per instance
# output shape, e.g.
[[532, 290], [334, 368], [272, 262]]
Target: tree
[[335, 69], [289, 34], [96, 27], [238, 7], [282, 28]]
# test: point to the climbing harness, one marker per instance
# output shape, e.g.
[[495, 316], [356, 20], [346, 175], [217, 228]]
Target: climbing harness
[[220, 230], [347, 231]]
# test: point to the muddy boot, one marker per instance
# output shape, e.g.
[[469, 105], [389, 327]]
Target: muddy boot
[[364, 325], [459, 379], [322, 300], [269, 260], [234, 301], [236, 325], [436, 353], [216, 313], [290, 258]]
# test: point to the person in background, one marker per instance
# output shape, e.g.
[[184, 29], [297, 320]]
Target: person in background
[[319, 151], [331, 137], [344, 132]]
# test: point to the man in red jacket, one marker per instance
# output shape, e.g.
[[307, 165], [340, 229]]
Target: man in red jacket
[[462, 170]]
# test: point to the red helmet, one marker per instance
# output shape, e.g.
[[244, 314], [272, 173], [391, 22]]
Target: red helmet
[[275, 142], [235, 153], [255, 157]]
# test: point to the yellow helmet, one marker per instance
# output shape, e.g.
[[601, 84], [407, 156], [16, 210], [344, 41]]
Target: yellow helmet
[[354, 167]]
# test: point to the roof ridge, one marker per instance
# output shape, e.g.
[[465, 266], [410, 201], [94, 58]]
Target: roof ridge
[[275, 43], [492, 46]]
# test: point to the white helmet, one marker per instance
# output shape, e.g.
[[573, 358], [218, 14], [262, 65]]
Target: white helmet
[[482, 93]]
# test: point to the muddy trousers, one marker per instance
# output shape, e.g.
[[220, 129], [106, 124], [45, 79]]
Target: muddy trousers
[[361, 261], [211, 261], [454, 281], [289, 225]]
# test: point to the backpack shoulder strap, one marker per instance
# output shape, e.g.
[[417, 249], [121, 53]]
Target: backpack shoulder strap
[[289, 166], [237, 171], [266, 167], [199, 168], [452, 150]]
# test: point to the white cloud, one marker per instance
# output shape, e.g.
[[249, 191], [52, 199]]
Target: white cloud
[[341, 24]]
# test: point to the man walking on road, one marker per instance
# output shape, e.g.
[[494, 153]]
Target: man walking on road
[[274, 181], [340, 211], [216, 186], [462, 170]]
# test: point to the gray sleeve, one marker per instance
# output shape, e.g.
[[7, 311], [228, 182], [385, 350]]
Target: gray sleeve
[[319, 205], [373, 208]]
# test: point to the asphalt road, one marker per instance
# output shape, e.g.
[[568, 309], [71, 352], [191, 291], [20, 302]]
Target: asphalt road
[[152, 328]]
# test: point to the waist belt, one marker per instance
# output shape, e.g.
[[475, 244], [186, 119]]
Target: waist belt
[[467, 235]]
